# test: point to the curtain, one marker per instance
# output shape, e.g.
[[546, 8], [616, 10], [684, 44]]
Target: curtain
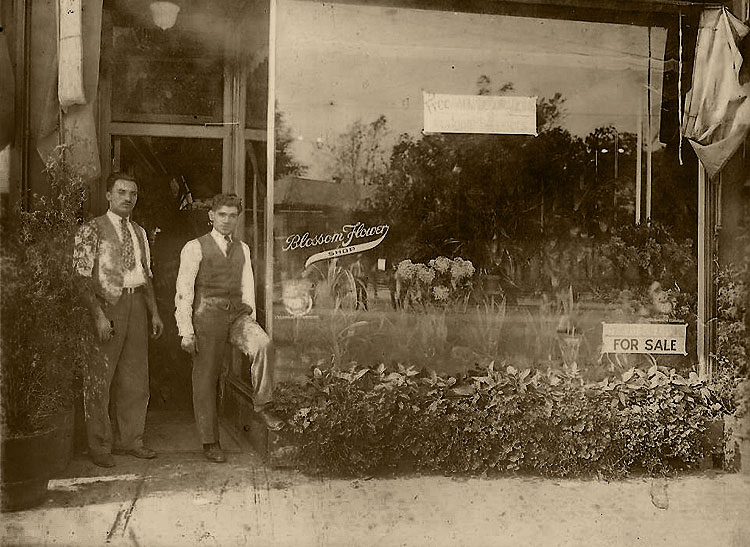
[[717, 109]]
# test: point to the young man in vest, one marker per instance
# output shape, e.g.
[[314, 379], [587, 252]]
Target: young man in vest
[[112, 257], [215, 306]]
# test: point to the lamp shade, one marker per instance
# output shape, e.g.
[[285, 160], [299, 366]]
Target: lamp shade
[[164, 14]]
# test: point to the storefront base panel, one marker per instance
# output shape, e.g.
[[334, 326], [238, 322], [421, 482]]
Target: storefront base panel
[[239, 416]]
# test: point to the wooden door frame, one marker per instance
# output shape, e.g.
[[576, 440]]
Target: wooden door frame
[[232, 131]]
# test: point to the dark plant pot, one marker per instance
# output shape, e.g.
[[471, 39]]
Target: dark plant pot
[[29, 461]]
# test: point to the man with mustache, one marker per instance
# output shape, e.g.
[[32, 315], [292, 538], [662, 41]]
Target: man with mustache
[[112, 258]]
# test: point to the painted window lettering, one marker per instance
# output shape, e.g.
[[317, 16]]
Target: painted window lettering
[[348, 233]]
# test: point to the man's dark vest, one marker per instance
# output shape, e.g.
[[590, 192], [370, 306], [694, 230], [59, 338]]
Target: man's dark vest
[[220, 276]]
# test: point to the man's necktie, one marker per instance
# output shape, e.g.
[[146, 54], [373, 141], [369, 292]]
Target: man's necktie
[[128, 252], [228, 239]]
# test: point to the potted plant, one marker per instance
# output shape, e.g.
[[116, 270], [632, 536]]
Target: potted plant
[[46, 337]]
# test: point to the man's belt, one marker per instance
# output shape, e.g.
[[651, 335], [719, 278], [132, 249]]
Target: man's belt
[[133, 290], [217, 302]]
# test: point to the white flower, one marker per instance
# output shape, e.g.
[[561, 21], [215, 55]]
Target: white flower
[[441, 264], [424, 274], [405, 269], [461, 268], [440, 293]]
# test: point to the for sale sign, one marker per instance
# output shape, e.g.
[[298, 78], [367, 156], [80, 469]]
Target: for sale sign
[[665, 338]]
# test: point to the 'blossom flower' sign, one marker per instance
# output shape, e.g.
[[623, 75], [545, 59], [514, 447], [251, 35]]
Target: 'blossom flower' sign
[[343, 239]]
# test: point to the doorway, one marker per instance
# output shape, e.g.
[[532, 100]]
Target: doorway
[[176, 178], [184, 111]]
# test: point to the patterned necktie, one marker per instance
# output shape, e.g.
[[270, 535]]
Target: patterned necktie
[[228, 239], [128, 252]]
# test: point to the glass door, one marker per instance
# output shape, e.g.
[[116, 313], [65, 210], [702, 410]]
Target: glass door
[[171, 105]]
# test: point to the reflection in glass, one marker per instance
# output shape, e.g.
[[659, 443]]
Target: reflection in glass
[[545, 224], [166, 77]]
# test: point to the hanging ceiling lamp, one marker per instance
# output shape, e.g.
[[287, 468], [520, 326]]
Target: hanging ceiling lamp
[[164, 14]]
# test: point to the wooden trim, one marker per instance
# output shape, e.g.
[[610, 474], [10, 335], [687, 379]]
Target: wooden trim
[[104, 101], [254, 162], [706, 289], [226, 165], [639, 162], [255, 134], [24, 113], [240, 86], [18, 168], [631, 12], [227, 168], [165, 130], [270, 163], [701, 320], [167, 119]]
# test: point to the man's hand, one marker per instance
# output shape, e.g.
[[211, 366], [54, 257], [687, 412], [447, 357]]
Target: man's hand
[[157, 326], [189, 344], [104, 329]]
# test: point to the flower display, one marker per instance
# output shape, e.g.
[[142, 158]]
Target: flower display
[[441, 282]]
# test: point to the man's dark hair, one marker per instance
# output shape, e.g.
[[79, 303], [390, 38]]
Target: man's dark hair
[[117, 175], [226, 200]]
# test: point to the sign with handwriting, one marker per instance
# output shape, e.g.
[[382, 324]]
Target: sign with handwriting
[[483, 114]]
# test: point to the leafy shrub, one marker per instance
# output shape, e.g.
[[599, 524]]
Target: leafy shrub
[[650, 252], [731, 332], [47, 336], [366, 420]]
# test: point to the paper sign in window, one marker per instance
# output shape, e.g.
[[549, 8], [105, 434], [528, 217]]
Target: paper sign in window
[[479, 114]]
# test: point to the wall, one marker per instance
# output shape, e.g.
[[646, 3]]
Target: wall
[[735, 208]]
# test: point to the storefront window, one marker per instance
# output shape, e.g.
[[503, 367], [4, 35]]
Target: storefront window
[[453, 249]]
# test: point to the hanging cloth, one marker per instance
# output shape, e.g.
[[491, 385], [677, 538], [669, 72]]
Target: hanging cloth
[[70, 54], [717, 108], [75, 88]]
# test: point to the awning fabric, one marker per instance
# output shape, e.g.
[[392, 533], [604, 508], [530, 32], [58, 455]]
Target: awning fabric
[[717, 108]]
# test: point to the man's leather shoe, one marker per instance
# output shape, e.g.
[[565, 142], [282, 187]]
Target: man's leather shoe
[[272, 421], [103, 460], [214, 453], [141, 452]]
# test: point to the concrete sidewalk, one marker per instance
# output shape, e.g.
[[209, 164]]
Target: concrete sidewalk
[[179, 499]]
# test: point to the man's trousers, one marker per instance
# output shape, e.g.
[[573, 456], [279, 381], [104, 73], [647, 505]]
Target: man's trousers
[[213, 321], [120, 382]]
